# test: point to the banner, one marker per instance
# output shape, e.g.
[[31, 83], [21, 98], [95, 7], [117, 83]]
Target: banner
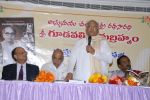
[[60, 27]]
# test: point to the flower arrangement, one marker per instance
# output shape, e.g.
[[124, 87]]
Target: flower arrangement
[[116, 80], [132, 81], [98, 78], [45, 77]]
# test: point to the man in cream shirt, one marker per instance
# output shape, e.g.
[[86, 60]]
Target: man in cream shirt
[[56, 67], [88, 58]]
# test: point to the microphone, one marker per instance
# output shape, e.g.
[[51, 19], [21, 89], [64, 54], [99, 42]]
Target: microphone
[[89, 40]]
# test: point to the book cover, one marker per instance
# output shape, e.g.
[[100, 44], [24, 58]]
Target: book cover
[[141, 76]]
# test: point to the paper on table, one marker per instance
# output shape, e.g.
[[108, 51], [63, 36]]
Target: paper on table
[[77, 81]]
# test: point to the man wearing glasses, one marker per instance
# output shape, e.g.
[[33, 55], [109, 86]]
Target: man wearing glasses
[[20, 70]]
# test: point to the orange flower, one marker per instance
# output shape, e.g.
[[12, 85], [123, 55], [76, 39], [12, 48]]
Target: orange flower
[[132, 81], [97, 78], [45, 77]]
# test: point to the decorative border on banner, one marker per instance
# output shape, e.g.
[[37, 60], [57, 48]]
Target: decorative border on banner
[[67, 52], [146, 20], [117, 54]]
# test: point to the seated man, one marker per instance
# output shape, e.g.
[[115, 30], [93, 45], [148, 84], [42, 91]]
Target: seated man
[[124, 64], [20, 70], [56, 67]]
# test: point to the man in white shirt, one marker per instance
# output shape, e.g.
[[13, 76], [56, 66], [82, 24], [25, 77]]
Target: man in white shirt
[[56, 67], [89, 55], [124, 64]]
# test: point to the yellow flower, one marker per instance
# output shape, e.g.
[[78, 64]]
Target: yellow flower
[[94, 78], [105, 78], [98, 78]]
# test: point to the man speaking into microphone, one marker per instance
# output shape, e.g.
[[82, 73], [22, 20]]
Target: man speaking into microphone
[[90, 55]]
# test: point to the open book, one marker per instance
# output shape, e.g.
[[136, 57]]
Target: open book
[[138, 74], [141, 76]]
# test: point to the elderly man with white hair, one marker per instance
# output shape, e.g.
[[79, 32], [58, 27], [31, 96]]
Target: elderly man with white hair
[[57, 67], [89, 55], [8, 44]]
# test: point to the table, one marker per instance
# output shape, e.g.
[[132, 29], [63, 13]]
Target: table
[[23, 90]]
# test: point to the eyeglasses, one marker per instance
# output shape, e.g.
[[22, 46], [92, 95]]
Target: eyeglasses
[[7, 33], [22, 53]]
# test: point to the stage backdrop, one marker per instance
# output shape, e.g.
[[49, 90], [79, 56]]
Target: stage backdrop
[[60, 27]]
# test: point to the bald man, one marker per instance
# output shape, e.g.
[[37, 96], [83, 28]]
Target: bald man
[[56, 66], [89, 55], [20, 70]]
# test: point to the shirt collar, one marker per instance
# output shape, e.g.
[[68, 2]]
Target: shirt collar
[[21, 64], [55, 66]]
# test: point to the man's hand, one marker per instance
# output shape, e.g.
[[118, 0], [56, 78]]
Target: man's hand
[[69, 77], [90, 49]]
